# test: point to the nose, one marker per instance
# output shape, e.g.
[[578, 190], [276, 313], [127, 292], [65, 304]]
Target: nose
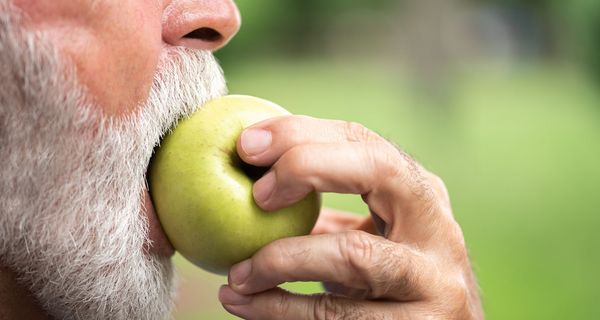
[[200, 24]]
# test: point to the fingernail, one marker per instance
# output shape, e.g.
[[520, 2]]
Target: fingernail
[[264, 187], [240, 272], [230, 297], [256, 141]]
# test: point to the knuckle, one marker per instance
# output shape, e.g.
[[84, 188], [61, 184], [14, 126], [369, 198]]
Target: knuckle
[[365, 259], [356, 132], [327, 308], [330, 307], [458, 298], [457, 247], [273, 256], [358, 248], [439, 186], [282, 255], [379, 161], [453, 246], [420, 186], [437, 182], [384, 159], [282, 305], [403, 274]]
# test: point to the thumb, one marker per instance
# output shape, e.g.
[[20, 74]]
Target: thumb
[[278, 304]]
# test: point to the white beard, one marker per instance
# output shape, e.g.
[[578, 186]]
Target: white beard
[[71, 180]]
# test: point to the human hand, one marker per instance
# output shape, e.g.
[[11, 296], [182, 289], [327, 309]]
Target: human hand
[[408, 262]]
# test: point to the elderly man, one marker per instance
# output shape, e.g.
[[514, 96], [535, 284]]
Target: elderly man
[[88, 87]]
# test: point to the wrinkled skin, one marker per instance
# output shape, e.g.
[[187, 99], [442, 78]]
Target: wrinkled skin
[[408, 261], [88, 88]]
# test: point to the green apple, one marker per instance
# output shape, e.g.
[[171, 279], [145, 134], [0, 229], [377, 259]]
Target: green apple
[[202, 191]]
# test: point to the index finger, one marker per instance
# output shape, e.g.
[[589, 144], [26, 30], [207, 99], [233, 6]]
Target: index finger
[[309, 154], [263, 143]]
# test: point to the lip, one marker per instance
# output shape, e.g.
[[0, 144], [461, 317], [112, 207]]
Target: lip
[[157, 242]]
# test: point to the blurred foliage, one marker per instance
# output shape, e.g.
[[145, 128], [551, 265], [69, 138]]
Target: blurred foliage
[[583, 20], [289, 27], [574, 23], [296, 28]]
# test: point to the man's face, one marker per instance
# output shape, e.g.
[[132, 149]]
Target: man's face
[[88, 88]]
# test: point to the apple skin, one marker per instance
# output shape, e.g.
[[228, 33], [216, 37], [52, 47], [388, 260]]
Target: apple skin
[[203, 197]]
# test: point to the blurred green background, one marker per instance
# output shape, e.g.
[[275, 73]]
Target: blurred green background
[[499, 98]]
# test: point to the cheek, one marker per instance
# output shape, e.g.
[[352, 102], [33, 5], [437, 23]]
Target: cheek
[[114, 45], [119, 65]]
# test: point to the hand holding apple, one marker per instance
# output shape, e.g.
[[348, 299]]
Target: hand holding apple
[[202, 190], [415, 265]]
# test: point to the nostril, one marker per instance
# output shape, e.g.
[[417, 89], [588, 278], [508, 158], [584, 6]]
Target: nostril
[[205, 34]]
